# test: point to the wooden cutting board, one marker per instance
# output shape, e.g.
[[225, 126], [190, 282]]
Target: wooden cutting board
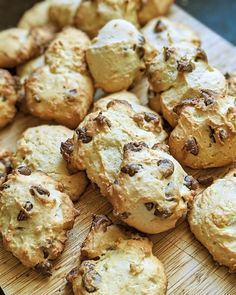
[[190, 268]]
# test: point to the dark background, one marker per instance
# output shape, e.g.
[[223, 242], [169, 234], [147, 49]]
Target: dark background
[[219, 15]]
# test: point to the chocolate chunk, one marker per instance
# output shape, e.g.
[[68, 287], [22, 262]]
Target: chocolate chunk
[[44, 268], [24, 170], [131, 169], [163, 213], [148, 117], [201, 54], [184, 65], [23, 214], [149, 205], [67, 148], [102, 120], [168, 51], [192, 146], [34, 190], [135, 146], [159, 27], [190, 182], [205, 180], [166, 167], [83, 135], [212, 134], [91, 280], [140, 50], [223, 134], [45, 252]]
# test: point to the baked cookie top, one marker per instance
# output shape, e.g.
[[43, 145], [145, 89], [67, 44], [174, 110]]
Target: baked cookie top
[[124, 263], [213, 219], [35, 215]]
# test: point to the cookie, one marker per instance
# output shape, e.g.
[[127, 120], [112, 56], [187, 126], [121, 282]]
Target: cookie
[[92, 15], [128, 256], [205, 134], [115, 57], [231, 80], [155, 207], [97, 144], [152, 8], [162, 32], [8, 97], [62, 90], [34, 217], [36, 16], [39, 149], [212, 220], [181, 72], [5, 165], [19, 45], [62, 12]]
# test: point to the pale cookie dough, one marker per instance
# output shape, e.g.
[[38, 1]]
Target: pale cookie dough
[[126, 264], [151, 191], [34, 217], [182, 72], [115, 57], [8, 97], [18, 45], [212, 220], [205, 135], [5, 164], [152, 8], [62, 90], [161, 32], [39, 149], [92, 15]]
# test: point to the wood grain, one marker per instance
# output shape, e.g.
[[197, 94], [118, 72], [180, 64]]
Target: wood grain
[[189, 266]]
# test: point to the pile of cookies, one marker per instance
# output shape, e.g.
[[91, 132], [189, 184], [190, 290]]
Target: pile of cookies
[[142, 99]]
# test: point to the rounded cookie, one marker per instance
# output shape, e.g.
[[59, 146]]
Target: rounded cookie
[[19, 45], [212, 220], [8, 97], [62, 90], [161, 32], [115, 57], [182, 72], [205, 135], [152, 8], [155, 207], [128, 256], [5, 164], [92, 15], [34, 217], [39, 149], [97, 144]]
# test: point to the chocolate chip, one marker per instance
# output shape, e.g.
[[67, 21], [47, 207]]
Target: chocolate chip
[[205, 180], [23, 214], [166, 167], [192, 146], [212, 134], [135, 146], [162, 213], [148, 117], [34, 190], [44, 268], [149, 205], [131, 169], [91, 280], [67, 148], [45, 252], [168, 51], [159, 27], [184, 65], [140, 50], [190, 182], [223, 134], [124, 215], [102, 120], [4, 186], [83, 135], [24, 170], [201, 54]]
